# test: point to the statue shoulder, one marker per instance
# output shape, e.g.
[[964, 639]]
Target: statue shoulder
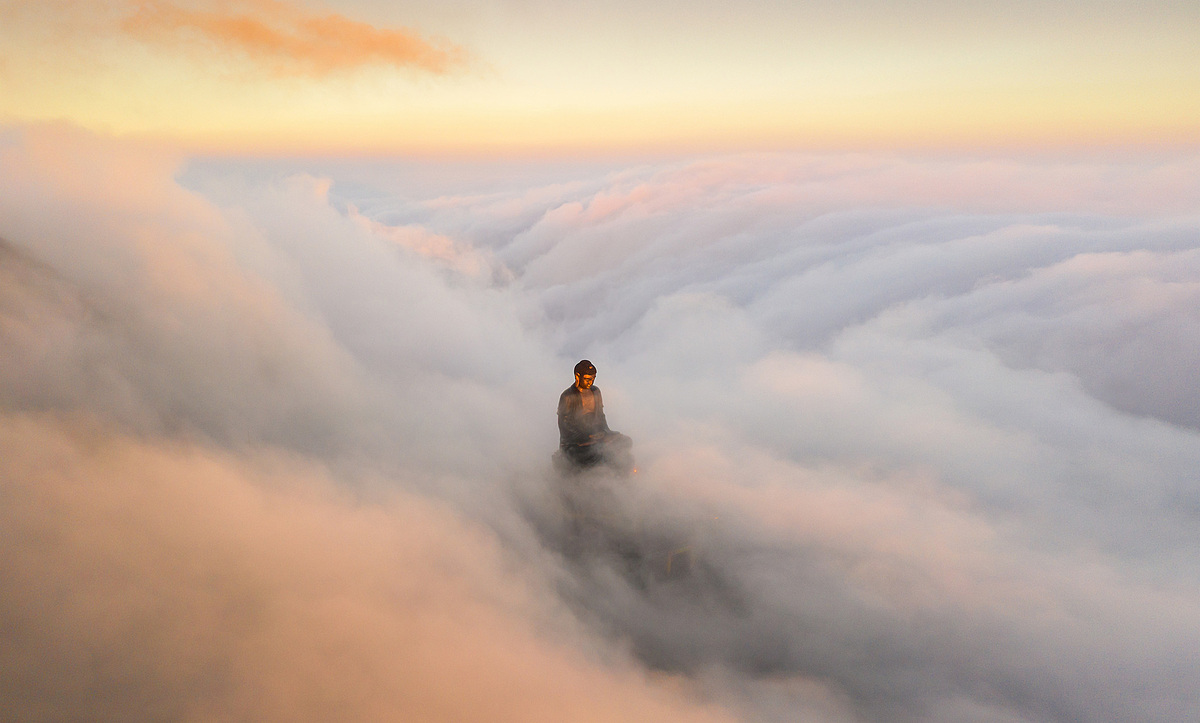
[[569, 397]]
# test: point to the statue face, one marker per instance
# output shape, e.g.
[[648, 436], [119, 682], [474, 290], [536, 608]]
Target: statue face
[[584, 381]]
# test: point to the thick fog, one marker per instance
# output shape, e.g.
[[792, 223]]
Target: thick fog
[[276, 436]]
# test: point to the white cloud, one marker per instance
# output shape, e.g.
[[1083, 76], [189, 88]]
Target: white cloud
[[928, 423]]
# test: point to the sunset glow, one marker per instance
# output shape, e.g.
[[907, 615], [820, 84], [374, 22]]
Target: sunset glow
[[361, 76], [892, 310]]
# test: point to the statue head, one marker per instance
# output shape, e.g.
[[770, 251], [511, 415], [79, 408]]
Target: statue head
[[585, 374]]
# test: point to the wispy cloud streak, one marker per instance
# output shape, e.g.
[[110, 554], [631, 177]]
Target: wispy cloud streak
[[286, 39]]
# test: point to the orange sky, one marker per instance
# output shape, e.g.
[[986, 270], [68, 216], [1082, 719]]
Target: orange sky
[[369, 76]]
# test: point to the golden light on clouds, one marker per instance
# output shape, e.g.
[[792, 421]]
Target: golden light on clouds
[[288, 39]]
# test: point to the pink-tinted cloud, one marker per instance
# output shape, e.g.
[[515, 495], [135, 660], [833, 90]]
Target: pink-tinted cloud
[[188, 584], [286, 39], [940, 410]]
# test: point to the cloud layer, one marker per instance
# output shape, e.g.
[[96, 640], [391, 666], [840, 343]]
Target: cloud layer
[[170, 583], [276, 437]]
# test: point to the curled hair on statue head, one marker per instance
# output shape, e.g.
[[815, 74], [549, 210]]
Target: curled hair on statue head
[[585, 367]]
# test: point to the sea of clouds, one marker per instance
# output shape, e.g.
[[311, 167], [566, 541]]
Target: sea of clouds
[[275, 436]]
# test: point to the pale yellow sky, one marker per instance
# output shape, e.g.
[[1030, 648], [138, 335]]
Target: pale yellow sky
[[547, 75]]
